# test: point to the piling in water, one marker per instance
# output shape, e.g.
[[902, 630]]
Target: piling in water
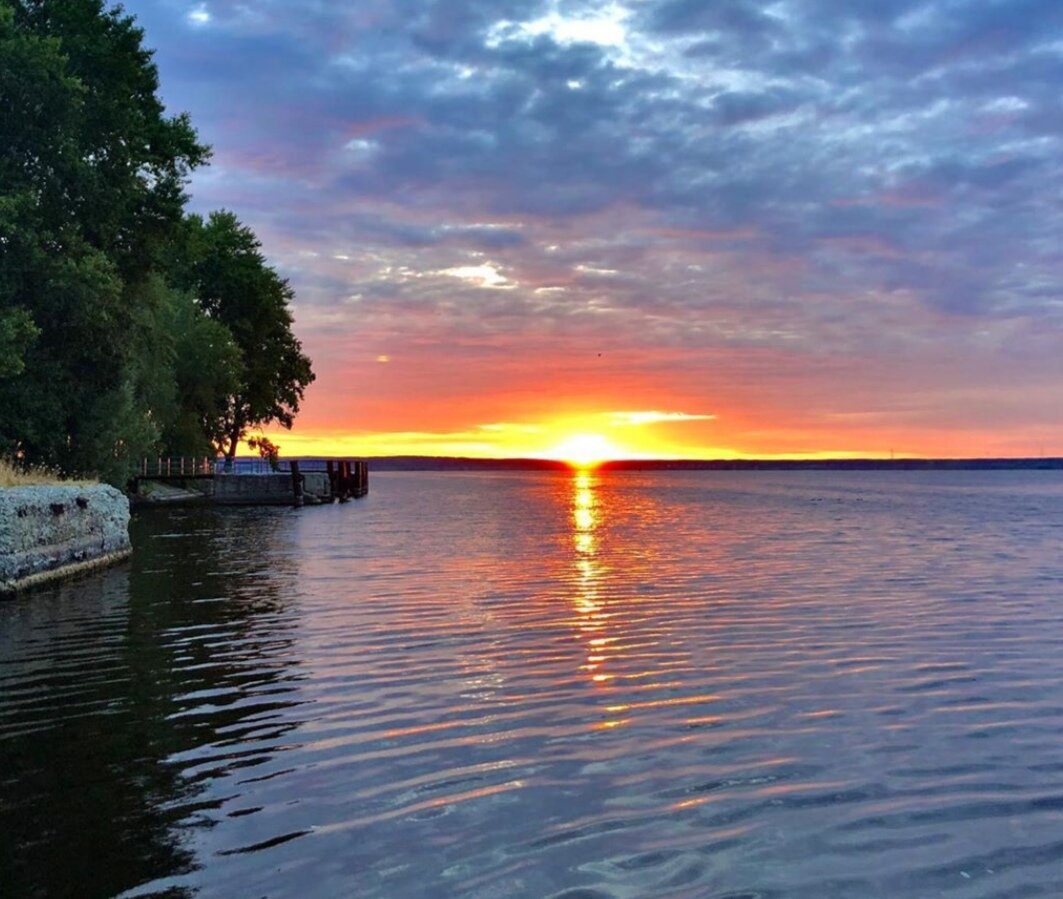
[[297, 484]]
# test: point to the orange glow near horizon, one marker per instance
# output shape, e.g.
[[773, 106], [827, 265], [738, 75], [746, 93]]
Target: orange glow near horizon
[[582, 439], [583, 442], [584, 417]]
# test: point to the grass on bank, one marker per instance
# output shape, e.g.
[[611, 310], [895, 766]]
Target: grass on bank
[[17, 476]]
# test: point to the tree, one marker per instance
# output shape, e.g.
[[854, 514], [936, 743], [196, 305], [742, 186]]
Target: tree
[[207, 371], [17, 333], [124, 326], [92, 176], [225, 270]]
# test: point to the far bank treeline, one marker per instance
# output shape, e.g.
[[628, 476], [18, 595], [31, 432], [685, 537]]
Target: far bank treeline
[[127, 327]]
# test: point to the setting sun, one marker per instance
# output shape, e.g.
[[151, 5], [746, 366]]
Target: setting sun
[[586, 450]]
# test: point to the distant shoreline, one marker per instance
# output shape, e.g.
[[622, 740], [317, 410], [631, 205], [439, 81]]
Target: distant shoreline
[[458, 463]]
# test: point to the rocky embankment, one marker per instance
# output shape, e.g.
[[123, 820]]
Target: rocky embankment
[[49, 532]]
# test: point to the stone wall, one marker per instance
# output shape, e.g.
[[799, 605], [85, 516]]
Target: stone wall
[[53, 531]]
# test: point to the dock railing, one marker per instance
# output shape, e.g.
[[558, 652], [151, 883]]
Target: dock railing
[[176, 467]]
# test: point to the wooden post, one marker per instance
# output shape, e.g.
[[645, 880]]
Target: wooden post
[[330, 470], [297, 484]]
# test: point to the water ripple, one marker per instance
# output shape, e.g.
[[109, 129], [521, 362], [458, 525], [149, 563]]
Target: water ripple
[[740, 686]]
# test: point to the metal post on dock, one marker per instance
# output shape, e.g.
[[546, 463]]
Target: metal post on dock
[[297, 484]]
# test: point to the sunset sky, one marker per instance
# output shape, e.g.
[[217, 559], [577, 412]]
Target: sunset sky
[[653, 227]]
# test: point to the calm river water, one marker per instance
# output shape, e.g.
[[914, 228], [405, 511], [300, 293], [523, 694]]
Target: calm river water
[[746, 685]]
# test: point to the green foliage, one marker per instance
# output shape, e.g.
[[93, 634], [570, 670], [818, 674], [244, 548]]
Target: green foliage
[[225, 269], [114, 165], [92, 174], [125, 328], [207, 373], [17, 333]]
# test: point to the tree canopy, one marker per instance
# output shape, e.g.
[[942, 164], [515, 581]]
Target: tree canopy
[[126, 326], [226, 271]]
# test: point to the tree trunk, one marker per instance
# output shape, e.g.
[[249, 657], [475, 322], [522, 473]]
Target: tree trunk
[[234, 442]]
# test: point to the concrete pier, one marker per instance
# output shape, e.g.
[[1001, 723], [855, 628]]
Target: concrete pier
[[297, 483], [51, 532], [253, 489]]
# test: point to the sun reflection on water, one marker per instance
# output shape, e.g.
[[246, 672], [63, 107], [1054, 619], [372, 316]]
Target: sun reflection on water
[[589, 605], [584, 515]]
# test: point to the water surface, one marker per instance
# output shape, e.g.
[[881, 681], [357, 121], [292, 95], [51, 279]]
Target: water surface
[[719, 684]]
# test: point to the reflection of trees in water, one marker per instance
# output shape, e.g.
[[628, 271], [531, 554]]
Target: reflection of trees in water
[[113, 687]]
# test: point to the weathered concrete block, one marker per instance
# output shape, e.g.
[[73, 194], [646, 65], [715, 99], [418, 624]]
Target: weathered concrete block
[[253, 489], [53, 531]]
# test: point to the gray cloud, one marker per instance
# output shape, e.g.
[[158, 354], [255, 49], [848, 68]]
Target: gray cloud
[[751, 172]]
